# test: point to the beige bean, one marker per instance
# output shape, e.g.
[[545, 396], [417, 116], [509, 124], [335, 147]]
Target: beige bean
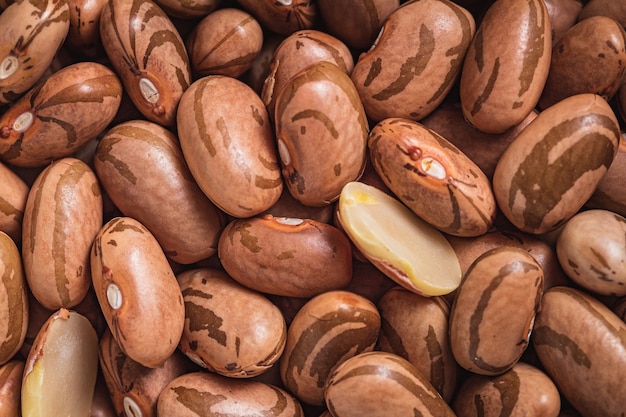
[[137, 291], [10, 388], [219, 332], [13, 195], [286, 256], [32, 33], [227, 138], [416, 328], [575, 141], [307, 128], [591, 248], [326, 331], [523, 390], [589, 58], [432, 177], [163, 196], [14, 311], [149, 56], [56, 247], [587, 360], [134, 389], [507, 64], [224, 42], [283, 17], [415, 60], [55, 119], [350, 389], [494, 310], [194, 394], [60, 373], [298, 51], [366, 19]]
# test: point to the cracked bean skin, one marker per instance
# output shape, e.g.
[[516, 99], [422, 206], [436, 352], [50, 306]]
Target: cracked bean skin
[[326, 331], [32, 34], [60, 115], [219, 334], [306, 129], [494, 310], [503, 76], [286, 256], [14, 309], [415, 60], [416, 328], [554, 165], [56, 248], [137, 291], [524, 390], [227, 138], [432, 177], [148, 54], [586, 361], [591, 248], [164, 197]]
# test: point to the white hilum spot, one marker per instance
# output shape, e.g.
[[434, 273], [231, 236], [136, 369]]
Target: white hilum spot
[[289, 221], [284, 152], [23, 122], [433, 168], [114, 296], [131, 409], [8, 67], [148, 90]]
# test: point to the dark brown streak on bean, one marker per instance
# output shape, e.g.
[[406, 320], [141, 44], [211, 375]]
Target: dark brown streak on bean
[[94, 94], [435, 354], [390, 334], [104, 154], [429, 399], [534, 49], [355, 339], [548, 337], [593, 151], [412, 67], [197, 401], [225, 38], [458, 52], [12, 284], [339, 61], [201, 319], [452, 185], [68, 127], [9, 210], [198, 110], [320, 117], [161, 38], [508, 385], [23, 44], [131, 61], [484, 96], [372, 14], [476, 318]]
